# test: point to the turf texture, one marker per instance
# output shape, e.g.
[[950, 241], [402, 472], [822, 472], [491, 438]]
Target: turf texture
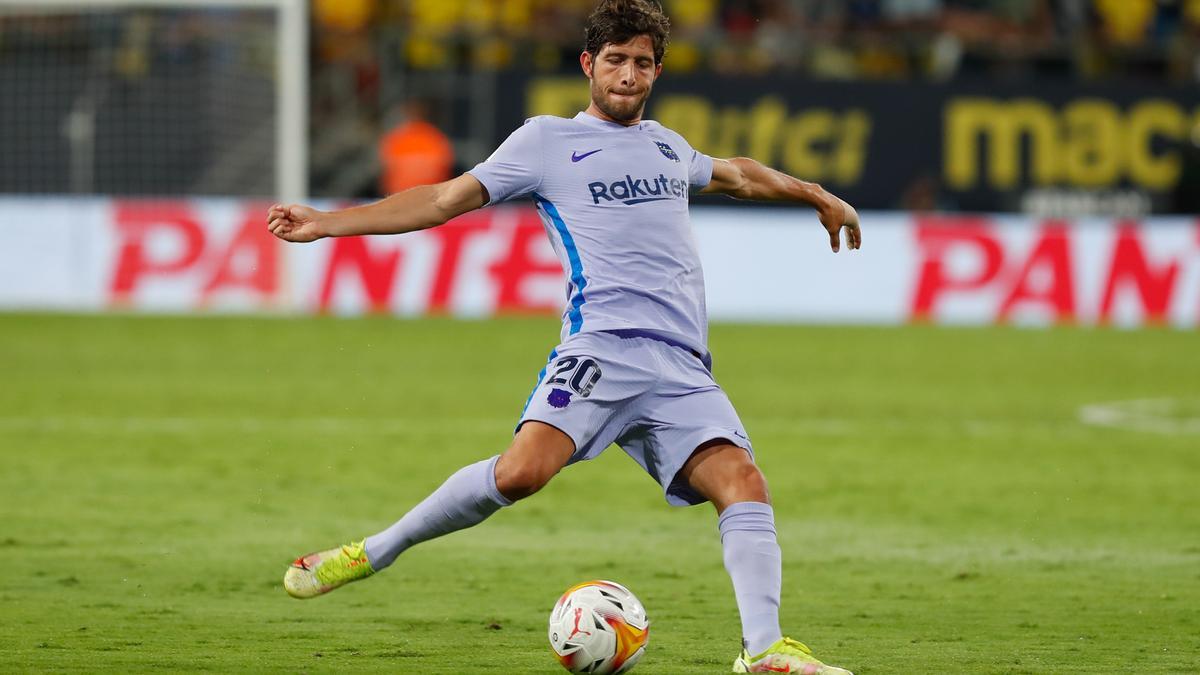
[[949, 500]]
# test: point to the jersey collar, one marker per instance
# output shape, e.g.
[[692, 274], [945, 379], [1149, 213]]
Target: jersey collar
[[593, 121]]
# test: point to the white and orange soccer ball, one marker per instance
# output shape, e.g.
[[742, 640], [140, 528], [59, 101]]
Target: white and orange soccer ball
[[598, 627]]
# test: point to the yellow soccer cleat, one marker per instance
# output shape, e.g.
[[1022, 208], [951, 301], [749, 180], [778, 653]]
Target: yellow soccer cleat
[[323, 571], [785, 656]]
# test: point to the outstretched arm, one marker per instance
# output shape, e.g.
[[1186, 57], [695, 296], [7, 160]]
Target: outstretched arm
[[413, 209], [745, 178]]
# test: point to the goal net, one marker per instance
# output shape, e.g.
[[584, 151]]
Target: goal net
[[153, 97]]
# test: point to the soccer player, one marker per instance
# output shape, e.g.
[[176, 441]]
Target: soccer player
[[632, 367]]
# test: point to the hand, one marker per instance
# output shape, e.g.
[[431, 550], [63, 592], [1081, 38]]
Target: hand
[[836, 214], [295, 222]]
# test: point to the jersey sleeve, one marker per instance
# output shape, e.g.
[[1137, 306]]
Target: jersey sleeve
[[515, 168], [700, 169]]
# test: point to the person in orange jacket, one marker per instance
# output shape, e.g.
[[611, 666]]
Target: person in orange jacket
[[415, 152]]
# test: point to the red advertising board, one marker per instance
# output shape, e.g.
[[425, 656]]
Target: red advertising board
[[761, 265]]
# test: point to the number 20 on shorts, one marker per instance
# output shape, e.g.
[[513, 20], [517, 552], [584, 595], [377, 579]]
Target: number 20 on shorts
[[580, 374]]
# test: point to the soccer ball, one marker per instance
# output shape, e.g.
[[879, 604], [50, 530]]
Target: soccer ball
[[598, 627]]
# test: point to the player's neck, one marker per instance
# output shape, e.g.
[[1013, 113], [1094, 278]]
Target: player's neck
[[599, 114]]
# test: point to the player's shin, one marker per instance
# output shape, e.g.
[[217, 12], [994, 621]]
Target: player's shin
[[755, 566], [466, 499]]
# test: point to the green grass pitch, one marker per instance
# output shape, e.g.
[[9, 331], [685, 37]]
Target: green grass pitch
[[942, 508]]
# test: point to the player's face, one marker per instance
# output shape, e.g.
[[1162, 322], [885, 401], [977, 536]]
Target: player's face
[[622, 76]]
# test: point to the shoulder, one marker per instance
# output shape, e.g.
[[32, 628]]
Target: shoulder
[[549, 122], [669, 133], [675, 141], [673, 138], [542, 128]]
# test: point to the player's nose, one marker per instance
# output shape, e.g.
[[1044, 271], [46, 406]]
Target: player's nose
[[629, 76]]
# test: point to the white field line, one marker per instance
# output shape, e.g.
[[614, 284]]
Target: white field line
[[1152, 415], [773, 426]]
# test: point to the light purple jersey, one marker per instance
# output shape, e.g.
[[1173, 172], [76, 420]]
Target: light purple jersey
[[614, 201]]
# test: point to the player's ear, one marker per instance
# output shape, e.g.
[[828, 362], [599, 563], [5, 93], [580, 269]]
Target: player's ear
[[585, 62]]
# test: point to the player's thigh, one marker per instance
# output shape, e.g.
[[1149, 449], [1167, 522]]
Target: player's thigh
[[688, 412], [576, 410], [586, 390]]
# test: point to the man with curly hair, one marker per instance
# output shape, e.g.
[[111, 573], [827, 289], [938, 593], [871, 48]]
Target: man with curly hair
[[633, 366]]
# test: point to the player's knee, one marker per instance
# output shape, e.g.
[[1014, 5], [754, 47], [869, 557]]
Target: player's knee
[[538, 452], [517, 479], [740, 482], [730, 478], [746, 483]]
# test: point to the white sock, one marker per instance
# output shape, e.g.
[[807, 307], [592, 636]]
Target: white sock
[[467, 498], [755, 565]]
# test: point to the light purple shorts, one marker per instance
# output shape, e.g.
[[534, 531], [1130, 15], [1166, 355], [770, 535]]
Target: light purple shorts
[[656, 400]]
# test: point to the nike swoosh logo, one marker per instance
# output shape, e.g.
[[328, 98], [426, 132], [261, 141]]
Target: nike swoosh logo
[[575, 156]]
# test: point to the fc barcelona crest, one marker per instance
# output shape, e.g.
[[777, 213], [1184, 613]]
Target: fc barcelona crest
[[667, 151], [559, 398]]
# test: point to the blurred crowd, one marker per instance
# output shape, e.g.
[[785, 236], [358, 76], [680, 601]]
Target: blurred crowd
[[843, 39]]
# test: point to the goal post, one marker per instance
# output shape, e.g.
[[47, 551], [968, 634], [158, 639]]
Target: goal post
[[249, 142]]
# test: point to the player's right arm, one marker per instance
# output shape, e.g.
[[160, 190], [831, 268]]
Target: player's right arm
[[414, 209]]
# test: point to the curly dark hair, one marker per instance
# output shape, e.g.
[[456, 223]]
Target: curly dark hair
[[619, 21]]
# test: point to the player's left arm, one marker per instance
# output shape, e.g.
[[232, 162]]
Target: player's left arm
[[745, 178]]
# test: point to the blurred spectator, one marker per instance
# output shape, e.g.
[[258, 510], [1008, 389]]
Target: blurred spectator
[[999, 36], [430, 27], [1185, 51], [342, 28], [344, 41], [924, 195], [1125, 22], [693, 32], [870, 39], [902, 12], [415, 152], [443, 48], [343, 15]]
